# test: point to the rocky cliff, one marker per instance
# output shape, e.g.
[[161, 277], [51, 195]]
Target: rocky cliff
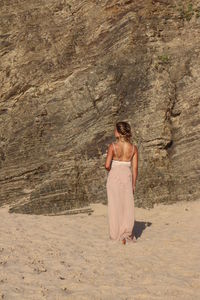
[[69, 71]]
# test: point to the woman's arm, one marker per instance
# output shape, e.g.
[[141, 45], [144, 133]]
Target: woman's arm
[[109, 157], [135, 167]]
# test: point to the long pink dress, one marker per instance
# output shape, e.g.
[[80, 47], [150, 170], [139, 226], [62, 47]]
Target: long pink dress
[[120, 199]]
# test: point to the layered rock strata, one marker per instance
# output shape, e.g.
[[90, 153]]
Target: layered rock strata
[[69, 71]]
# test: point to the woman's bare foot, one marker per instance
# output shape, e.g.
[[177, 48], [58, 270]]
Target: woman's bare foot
[[124, 241]]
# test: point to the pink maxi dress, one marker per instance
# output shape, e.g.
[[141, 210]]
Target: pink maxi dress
[[120, 199]]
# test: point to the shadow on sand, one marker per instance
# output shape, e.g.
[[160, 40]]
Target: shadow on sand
[[139, 227]]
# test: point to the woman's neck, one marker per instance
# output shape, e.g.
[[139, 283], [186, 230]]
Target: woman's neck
[[121, 140]]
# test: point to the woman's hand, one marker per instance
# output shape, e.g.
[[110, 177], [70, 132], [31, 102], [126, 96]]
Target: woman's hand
[[134, 189]]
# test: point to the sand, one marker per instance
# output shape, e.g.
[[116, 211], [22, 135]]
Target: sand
[[71, 257]]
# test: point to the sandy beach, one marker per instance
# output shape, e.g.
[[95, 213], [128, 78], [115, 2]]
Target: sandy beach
[[71, 257]]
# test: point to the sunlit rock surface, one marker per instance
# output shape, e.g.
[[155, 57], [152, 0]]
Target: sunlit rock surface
[[71, 69]]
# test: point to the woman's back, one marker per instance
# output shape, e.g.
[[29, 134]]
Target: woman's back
[[123, 151]]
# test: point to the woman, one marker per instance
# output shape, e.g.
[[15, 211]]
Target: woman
[[122, 164]]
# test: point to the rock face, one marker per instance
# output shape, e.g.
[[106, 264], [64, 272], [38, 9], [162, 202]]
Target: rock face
[[69, 71]]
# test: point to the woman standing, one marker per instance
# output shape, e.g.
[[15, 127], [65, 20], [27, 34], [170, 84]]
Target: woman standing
[[122, 164]]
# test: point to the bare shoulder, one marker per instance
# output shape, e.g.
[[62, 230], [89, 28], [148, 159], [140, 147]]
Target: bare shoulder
[[110, 147]]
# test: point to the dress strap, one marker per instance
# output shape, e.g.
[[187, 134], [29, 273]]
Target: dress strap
[[114, 149]]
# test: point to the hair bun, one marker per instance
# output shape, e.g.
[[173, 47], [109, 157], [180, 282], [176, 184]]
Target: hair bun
[[124, 129]]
